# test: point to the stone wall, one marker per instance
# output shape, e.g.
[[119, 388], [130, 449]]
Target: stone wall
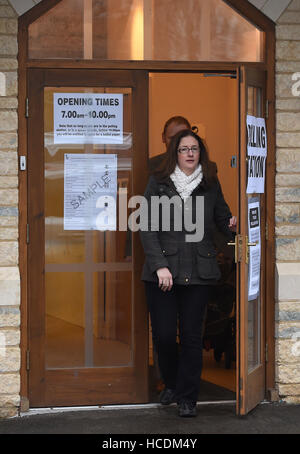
[[288, 204], [9, 272], [287, 210]]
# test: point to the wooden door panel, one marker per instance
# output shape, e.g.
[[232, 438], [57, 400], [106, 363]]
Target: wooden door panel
[[250, 313]]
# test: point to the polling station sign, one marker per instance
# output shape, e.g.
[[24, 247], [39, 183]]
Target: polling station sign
[[257, 154], [88, 118]]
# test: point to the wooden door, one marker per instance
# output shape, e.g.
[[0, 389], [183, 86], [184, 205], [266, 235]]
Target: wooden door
[[251, 252], [87, 316]]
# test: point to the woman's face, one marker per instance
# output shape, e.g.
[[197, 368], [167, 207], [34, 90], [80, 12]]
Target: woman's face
[[188, 160]]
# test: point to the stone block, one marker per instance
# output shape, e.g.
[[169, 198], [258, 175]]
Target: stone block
[[7, 234], [8, 64], [8, 103], [8, 253], [288, 194], [9, 400], [289, 390], [8, 120], [289, 17], [289, 330], [292, 400], [288, 121], [11, 336], [8, 162], [8, 45], [288, 32], [287, 311], [9, 316], [8, 26], [9, 286], [11, 79], [8, 141], [8, 197], [288, 351], [288, 249], [288, 139], [287, 51], [9, 383], [287, 213], [8, 182], [287, 66], [287, 281], [11, 361], [8, 412], [7, 11], [283, 230], [294, 5], [287, 374], [284, 179], [288, 160]]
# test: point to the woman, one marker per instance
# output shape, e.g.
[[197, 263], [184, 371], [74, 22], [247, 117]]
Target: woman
[[178, 273]]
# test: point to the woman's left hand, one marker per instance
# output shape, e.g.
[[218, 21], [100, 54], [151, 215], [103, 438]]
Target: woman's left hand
[[232, 224]]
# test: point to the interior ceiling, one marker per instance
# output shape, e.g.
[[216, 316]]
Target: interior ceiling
[[271, 8]]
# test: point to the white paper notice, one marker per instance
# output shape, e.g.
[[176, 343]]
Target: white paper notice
[[83, 118], [257, 154], [254, 251], [90, 191]]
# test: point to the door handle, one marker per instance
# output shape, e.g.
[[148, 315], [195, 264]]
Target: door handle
[[238, 246], [237, 243]]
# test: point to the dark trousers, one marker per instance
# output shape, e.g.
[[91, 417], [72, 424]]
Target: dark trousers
[[180, 367]]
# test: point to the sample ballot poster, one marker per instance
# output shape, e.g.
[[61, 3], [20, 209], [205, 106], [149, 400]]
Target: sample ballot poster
[[90, 191], [88, 118], [254, 251], [257, 154]]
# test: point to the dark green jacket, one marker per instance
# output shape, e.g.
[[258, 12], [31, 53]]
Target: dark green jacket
[[189, 262]]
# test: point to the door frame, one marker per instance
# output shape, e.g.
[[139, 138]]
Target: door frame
[[249, 12]]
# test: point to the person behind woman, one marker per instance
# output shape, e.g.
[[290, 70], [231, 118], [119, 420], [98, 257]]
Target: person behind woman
[[178, 274]]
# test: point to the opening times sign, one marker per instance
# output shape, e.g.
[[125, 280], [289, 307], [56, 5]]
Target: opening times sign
[[88, 118]]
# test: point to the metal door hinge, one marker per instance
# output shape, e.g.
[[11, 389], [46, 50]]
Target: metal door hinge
[[27, 108], [27, 360], [27, 233]]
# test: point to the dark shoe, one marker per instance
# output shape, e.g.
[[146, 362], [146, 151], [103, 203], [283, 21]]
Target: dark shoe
[[167, 396], [187, 409]]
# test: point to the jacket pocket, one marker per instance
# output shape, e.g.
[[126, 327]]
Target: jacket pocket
[[170, 251], [207, 265]]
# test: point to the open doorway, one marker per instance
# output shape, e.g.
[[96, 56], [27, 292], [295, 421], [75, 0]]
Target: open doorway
[[210, 103]]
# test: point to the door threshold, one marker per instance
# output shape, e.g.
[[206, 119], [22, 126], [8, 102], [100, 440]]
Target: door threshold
[[51, 410]]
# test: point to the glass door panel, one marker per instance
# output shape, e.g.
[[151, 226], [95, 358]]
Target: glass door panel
[[88, 273]]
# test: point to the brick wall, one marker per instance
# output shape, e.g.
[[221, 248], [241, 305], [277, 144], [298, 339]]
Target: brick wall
[[288, 204], [9, 273]]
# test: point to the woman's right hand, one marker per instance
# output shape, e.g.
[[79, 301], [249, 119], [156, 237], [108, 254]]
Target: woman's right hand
[[165, 279]]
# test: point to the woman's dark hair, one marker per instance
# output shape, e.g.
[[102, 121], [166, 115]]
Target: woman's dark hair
[[167, 166]]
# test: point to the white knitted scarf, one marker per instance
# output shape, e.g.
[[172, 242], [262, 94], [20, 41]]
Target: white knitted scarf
[[185, 184]]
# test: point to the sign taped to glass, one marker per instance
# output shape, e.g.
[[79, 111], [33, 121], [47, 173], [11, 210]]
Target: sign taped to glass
[[90, 191], [257, 154], [88, 118]]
